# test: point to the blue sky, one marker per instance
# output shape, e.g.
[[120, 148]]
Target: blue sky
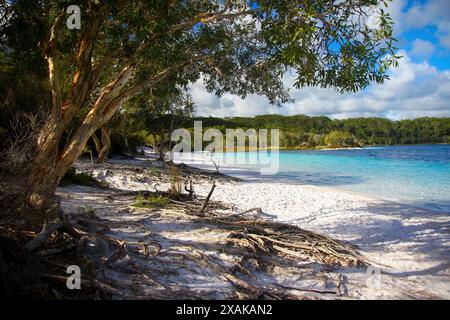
[[420, 86], [427, 21]]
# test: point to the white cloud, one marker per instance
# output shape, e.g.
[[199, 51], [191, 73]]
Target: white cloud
[[395, 10], [421, 15], [414, 90], [432, 12], [422, 48], [228, 104]]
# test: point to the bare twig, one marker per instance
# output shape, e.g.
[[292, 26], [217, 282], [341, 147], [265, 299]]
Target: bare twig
[[208, 197]]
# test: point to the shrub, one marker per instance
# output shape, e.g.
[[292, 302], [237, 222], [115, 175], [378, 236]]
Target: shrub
[[87, 211], [72, 177], [151, 202], [154, 170]]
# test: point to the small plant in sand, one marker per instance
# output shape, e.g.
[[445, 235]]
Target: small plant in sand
[[135, 288], [155, 171], [151, 202], [87, 211], [103, 184], [175, 182]]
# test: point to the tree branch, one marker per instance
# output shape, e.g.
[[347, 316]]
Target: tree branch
[[136, 89], [50, 55], [209, 17], [82, 79], [97, 70]]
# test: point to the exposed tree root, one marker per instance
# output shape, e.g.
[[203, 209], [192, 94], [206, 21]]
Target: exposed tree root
[[267, 237], [47, 231], [292, 242]]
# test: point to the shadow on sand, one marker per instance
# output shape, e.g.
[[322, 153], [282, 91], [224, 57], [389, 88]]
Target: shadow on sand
[[423, 233]]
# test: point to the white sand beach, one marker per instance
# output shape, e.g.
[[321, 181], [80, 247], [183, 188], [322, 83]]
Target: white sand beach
[[410, 246]]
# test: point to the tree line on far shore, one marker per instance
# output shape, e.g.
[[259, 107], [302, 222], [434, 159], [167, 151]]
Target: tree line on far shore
[[296, 132], [305, 132]]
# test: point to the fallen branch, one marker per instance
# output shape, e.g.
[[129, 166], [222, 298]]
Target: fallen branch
[[208, 197], [266, 236]]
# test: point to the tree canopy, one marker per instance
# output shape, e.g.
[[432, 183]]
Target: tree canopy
[[237, 46]]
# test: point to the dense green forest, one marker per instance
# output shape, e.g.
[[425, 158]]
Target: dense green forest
[[296, 132], [301, 131]]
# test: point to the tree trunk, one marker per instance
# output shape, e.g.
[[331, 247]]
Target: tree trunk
[[50, 165], [42, 186], [161, 145], [106, 144], [44, 175], [102, 146], [97, 142]]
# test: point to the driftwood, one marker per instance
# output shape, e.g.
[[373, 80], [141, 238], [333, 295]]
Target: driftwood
[[208, 197], [256, 210], [255, 234]]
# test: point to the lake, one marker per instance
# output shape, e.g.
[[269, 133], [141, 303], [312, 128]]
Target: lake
[[418, 175]]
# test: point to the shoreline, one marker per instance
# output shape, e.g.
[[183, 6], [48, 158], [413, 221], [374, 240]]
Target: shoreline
[[248, 172], [330, 148], [335, 189]]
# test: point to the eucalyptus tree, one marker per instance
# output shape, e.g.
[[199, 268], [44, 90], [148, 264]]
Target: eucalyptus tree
[[125, 48]]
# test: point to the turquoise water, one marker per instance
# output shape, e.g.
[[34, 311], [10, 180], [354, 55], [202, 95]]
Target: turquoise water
[[417, 175]]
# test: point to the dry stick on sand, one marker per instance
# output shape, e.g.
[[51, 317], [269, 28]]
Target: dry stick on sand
[[92, 162], [190, 190], [207, 198]]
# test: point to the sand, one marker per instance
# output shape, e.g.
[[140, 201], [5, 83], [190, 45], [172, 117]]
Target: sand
[[408, 247]]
